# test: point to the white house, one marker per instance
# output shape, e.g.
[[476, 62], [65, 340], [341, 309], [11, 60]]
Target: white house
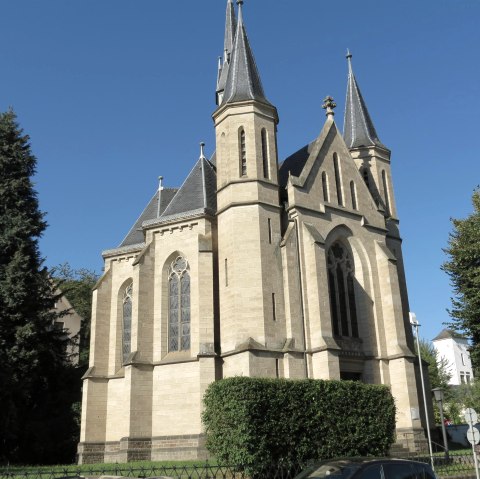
[[453, 347]]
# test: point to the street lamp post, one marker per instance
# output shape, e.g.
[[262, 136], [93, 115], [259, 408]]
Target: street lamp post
[[438, 393], [414, 322]]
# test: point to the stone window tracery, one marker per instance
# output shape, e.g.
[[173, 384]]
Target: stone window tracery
[[243, 153], [127, 321], [179, 305], [341, 275]]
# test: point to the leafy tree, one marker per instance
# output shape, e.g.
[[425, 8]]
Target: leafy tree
[[35, 399], [77, 286], [463, 267]]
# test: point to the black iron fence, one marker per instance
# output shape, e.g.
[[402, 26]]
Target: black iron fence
[[456, 466]]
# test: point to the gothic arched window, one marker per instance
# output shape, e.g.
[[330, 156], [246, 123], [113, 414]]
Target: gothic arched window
[[385, 191], [243, 153], [265, 153], [338, 179], [179, 305], [325, 187], [353, 193], [127, 322], [342, 293]]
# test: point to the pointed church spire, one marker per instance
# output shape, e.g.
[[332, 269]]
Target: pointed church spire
[[358, 129], [230, 28], [243, 82]]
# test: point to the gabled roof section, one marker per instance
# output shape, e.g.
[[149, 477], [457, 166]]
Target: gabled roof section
[[243, 81], [135, 235], [358, 129], [198, 192], [449, 334]]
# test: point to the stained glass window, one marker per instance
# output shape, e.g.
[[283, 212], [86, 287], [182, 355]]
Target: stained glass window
[[342, 291], [243, 154], [127, 322], [179, 306]]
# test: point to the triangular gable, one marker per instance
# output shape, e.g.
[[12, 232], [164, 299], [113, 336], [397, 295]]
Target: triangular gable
[[320, 158]]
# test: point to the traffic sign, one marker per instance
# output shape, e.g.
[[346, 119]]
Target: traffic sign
[[471, 416], [473, 435]]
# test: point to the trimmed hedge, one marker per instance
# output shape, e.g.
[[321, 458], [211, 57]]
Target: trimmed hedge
[[258, 423]]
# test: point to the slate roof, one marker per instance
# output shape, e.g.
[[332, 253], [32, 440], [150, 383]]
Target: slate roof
[[448, 334], [230, 28], [243, 81], [199, 191], [135, 235], [358, 129], [294, 164]]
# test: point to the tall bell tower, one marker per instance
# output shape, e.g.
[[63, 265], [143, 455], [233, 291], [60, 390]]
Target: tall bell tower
[[250, 285]]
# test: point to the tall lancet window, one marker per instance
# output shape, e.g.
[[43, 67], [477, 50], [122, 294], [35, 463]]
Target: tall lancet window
[[179, 306], [338, 179], [342, 291], [385, 192], [243, 153], [127, 322], [325, 187], [265, 153]]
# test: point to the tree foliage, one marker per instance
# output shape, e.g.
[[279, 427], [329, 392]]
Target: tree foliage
[[77, 285], [463, 267], [35, 379]]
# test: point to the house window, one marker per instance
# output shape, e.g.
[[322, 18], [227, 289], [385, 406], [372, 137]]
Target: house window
[[325, 187], [462, 378], [467, 378], [338, 179], [264, 153], [127, 321], [243, 153], [463, 358], [342, 291], [179, 306]]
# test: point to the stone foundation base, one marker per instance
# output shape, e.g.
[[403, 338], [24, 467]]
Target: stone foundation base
[[159, 448], [411, 440]]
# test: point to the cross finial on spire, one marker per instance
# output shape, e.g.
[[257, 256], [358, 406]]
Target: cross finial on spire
[[348, 56], [202, 153], [329, 105], [159, 199]]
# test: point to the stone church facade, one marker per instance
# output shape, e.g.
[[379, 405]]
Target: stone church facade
[[252, 267]]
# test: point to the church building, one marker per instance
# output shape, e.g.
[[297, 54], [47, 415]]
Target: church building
[[253, 267]]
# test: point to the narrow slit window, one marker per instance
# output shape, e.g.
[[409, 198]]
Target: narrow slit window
[[354, 195], [385, 191], [325, 187], [274, 308], [243, 153], [226, 272], [277, 368], [366, 178], [269, 230], [265, 153], [338, 179]]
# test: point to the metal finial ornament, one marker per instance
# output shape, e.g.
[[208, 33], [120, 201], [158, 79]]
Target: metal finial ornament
[[239, 2], [159, 200], [202, 153], [348, 55], [329, 105]]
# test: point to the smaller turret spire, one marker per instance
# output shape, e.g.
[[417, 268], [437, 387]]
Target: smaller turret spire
[[358, 129]]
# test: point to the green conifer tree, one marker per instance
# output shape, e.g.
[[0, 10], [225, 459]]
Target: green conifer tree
[[35, 381], [463, 267]]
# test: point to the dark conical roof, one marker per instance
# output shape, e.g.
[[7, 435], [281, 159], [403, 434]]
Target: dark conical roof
[[358, 129], [230, 28], [243, 81]]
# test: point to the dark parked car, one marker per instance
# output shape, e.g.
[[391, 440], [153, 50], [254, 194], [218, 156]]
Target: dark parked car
[[368, 468]]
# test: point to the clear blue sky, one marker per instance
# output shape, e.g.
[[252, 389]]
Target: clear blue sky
[[115, 93]]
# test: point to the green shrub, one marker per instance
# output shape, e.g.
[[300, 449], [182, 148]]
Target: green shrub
[[258, 423]]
